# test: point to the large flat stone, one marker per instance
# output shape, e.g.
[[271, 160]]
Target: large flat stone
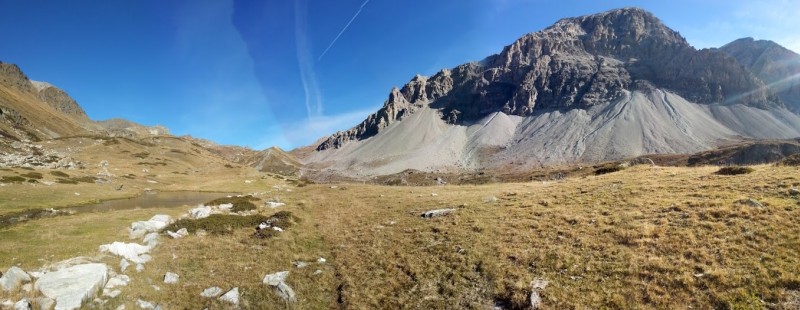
[[72, 285]]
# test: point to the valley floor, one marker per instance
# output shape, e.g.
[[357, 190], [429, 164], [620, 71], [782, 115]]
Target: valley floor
[[644, 237]]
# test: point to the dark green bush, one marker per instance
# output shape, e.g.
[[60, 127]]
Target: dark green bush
[[243, 203]]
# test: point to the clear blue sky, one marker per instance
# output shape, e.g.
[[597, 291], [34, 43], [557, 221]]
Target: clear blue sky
[[251, 73]]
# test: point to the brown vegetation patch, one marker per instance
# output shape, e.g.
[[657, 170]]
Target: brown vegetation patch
[[734, 170]]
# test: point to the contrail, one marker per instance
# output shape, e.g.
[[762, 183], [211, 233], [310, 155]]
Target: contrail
[[343, 30], [308, 75]]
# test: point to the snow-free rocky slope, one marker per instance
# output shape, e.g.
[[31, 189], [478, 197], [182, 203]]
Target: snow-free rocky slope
[[600, 87]]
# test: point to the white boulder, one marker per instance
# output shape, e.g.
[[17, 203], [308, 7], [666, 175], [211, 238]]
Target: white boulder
[[23, 304], [12, 279], [211, 292], [171, 278], [231, 296], [183, 232], [200, 212], [133, 252], [283, 290], [72, 285]]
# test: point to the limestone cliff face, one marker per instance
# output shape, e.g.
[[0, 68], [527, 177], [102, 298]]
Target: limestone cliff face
[[576, 63], [777, 66]]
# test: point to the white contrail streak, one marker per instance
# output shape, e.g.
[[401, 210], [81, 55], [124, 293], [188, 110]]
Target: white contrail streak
[[308, 75], [343, 30]]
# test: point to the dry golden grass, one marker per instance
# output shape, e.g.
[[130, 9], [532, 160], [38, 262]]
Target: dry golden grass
[[644, 237]]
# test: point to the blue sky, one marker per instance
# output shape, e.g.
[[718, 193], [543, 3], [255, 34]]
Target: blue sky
[[253, 73]]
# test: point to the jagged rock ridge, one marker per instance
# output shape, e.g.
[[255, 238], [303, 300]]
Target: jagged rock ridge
[[777, 66], [576, 63]]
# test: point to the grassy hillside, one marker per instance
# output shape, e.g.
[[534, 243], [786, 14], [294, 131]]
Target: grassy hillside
[[644, 237]]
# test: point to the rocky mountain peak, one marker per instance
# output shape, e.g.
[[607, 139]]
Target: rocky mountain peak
[[776, 65], [576, 63]]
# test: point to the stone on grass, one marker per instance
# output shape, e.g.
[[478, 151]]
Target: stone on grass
[[283, 290], [111, 293], [231, 296], [537, 286], [171, 278], [72, 285], [146, 305], [154, 224], [183, 232], [794, 192], [123, 264], [200, 212], [23, 304], [12, 279], [321, 260], [751, 202], [300, 264], [133, 252], [151, 240], [273, 204], [211, 292], [139, 267], [118, 280], [490, 199], [437, 213]]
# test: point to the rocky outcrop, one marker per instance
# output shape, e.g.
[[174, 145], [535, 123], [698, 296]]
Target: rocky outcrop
[[61, 101], [574, 64], [777, 66]]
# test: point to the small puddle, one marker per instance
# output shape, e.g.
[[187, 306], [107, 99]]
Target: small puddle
[[151, 200]]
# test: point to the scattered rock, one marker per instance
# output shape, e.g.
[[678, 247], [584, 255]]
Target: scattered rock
[[299, 264], [111, 293], [537, 286], [70, 286], [277, 280], [231, 296], [23, 304], [200, 212], [316, 272], [751, 202], [147, 305], [211, 292], [434, 194], [133, 252], [273, 204], [794, 192], [490, 199], [117, 281], [123, 264], [178, 234], [171, 278], [321, 260], [151, 240], [12, 279], [154, 224], [139, 267], [437, 213]]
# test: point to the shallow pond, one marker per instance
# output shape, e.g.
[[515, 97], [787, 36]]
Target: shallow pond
[[152, 200]]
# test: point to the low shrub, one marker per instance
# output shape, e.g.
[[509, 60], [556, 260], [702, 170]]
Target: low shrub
[[59, 174], [240, 204], [734, 170], [221, 224]]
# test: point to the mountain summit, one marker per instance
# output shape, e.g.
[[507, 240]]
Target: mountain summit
[[597, 87]]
